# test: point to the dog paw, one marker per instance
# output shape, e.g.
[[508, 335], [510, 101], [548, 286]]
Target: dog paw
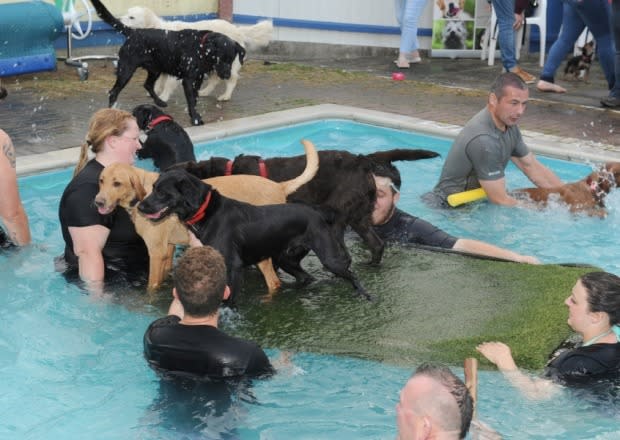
[[197, 121], [223, 98], [160, 103]]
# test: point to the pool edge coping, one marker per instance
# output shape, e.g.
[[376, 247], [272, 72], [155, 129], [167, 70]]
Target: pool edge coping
[[549, 145]]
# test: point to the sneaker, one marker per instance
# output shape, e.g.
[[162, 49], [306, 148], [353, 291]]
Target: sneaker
[[611, 102], [402, 62], [413, 57], [526, 77]]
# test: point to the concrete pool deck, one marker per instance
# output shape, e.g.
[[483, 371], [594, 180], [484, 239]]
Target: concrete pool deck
[[47, 114]]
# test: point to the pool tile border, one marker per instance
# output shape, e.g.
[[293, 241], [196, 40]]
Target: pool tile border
[[548, 145]]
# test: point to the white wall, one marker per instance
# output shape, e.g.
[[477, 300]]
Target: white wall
[[358, 12]]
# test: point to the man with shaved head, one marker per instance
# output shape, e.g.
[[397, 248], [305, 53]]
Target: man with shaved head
[[434, 404]]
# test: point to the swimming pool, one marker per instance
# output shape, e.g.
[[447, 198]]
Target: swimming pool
[[73, 368]]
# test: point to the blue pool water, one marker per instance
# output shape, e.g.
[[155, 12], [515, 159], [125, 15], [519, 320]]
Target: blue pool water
[[72, 365]]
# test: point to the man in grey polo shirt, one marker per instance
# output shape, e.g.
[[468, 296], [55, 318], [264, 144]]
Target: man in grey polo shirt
[[481, 151]]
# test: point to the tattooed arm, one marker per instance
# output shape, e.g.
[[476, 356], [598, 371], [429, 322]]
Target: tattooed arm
[[12, 212]]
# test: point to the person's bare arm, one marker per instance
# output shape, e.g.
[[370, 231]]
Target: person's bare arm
[[482, 248], [500, 354], [496, 192], [11, 209], [88, 243], [539, 175]]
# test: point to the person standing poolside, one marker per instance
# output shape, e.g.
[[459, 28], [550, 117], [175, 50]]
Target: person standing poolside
[[507, 21], [188, 340], [12, 211], [576, 15], [98, 241], [481, 151], [393, 225], [434, 404], [594, 313], [408, 14], [613, 100]]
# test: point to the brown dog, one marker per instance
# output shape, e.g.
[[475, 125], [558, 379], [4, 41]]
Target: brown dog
[[125, 186], [587, 195]]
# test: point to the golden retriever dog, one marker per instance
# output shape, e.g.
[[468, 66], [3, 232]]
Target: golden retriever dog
[[586, 195], [249, 37], [125, 186]]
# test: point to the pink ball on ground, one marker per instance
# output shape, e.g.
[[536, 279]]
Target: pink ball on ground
[[398, 76]]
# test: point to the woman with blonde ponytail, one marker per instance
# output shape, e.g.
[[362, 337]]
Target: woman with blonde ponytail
[[97, 242]]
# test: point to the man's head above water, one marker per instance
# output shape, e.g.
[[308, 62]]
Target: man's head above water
[[387, 180]]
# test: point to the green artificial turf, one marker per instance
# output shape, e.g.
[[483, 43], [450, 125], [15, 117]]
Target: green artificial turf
[[430, 306]]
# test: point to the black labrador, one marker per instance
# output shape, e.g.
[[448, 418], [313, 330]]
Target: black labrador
[[343, 185], [187, 54], [246, 234], [166, 141]]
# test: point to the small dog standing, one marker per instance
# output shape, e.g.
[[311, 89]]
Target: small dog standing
[[579, 66], [166, 141]]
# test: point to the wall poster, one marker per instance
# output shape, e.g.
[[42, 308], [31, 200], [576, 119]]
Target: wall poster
[[459, 27]]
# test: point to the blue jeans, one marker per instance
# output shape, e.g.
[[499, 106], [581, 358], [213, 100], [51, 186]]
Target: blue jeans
[[505, 12], [615, 30], [576, 15], [408, 14]]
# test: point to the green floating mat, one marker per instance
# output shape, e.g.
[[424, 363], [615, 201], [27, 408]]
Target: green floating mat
[[430, 306]]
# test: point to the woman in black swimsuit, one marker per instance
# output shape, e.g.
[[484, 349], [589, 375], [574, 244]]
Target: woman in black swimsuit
[[99, 242], [594, 313]]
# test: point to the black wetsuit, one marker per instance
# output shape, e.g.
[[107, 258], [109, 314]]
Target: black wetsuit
[[405, 228], [124, 250], [584, 365], [202, 350], [5, 241]]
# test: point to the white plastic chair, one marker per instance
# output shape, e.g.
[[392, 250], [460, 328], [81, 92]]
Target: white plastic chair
[[538, 19]]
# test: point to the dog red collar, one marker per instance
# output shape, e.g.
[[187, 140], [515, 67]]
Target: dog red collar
[[158, 120], [201, 211], [204, 38], [262, 169]]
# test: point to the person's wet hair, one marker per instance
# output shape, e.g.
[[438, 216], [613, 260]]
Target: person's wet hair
[[390, 171], [200, 280], [455, 387], [105, 122], [603, 294], [507, 79]]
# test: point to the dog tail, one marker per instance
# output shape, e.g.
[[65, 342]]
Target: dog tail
[[401, 154], [107, 16], [258, 35], [312, 166]]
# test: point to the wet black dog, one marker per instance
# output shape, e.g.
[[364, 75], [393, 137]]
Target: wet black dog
[[579, 66], [166, 141], [246, 234], [188, 54], [344, 184]]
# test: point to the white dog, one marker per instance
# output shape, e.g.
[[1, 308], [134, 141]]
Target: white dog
[[250, 37], [454, 34]]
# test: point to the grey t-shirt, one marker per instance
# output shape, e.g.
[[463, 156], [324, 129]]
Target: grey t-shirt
[[480, 151]]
